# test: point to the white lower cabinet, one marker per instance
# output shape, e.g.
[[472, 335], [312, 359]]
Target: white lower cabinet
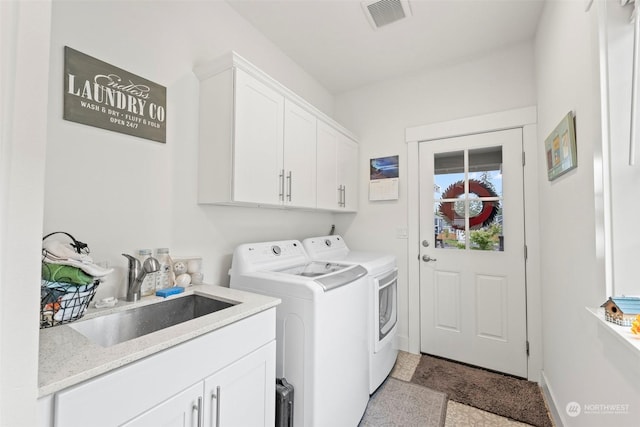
[[45, 411], [240, 395], [224, 378], [182, 410]]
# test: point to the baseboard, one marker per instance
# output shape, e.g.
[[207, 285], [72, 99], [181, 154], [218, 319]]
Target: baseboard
[[550, 401], [402, 343]]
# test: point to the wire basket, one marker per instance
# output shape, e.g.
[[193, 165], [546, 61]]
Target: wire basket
[[63, 302]]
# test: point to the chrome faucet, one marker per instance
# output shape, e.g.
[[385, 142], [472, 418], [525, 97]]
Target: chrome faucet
[[137, 272]]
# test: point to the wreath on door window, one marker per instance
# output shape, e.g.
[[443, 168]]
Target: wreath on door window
[[478, 218]]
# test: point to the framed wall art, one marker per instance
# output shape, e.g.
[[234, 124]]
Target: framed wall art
[[560, 147], [101, 95]]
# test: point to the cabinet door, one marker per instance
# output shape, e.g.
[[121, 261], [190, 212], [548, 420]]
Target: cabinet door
[[328, 194], [347, 157], [258, 142], [182, 410], [243, 394], [45, 411], [299, 156]]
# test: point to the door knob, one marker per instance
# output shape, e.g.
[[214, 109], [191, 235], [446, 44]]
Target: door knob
[[427, 258]]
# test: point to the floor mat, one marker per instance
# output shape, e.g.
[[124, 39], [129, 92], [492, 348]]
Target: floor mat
[[403, 404], [503, 395]]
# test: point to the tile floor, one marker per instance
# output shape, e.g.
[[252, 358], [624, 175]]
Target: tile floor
[[458, 415]]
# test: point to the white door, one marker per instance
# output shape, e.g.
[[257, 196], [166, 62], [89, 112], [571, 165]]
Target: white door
[[472, 268]]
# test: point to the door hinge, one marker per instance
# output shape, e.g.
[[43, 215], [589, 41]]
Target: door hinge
[[527, 348], [526, 252], [524, 161]]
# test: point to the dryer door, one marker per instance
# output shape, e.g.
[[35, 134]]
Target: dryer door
[[386, 307]]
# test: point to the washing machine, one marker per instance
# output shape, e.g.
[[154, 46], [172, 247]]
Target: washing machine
[[383, 304], [321, 330]]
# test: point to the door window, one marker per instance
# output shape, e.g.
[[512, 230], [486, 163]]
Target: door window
[[468, 199]]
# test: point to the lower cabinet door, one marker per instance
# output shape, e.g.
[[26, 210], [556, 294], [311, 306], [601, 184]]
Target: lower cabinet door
[[182, 410], [243, 393]]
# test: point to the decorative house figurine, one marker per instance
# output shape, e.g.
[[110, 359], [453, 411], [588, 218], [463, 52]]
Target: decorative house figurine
[[621, 310]]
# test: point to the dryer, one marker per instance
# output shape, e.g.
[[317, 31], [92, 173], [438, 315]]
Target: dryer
[[321, 328], [382, 299]]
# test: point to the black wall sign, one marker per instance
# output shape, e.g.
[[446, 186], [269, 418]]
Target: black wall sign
[[101, 95]]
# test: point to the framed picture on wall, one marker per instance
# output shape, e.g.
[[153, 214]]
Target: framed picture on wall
[[560, 147]]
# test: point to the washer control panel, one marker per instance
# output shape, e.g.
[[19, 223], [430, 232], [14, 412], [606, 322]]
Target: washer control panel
[[319, 247], [269, 255]]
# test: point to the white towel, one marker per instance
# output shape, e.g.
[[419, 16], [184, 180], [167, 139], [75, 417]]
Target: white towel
[[57, 252], [63, 250]]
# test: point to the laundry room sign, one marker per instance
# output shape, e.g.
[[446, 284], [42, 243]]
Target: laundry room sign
[[101, 95]]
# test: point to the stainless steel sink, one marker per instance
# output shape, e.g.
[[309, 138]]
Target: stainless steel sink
[[115, 328]]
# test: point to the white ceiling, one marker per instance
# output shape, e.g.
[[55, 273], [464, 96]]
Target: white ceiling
[[334, 42]]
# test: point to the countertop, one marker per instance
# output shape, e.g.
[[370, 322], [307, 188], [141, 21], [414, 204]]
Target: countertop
[[68, 357]]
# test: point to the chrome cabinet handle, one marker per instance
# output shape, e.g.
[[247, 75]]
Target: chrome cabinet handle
[[289, 181], [341, 195], [281, 179], [427, 258], [198, 410], [216, 396], [344, 196]]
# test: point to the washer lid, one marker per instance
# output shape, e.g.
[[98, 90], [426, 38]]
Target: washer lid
[[332, 281], [376, 263], [329, 275], [334, 248], [314, 269]]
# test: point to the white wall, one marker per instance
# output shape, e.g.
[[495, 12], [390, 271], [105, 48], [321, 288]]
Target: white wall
[[582, 363], [24, 55], [119, 193], [379, 115]]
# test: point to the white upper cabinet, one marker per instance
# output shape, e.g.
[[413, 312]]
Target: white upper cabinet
[[299, 156], [347, 159], [259, 143], [337, 166]]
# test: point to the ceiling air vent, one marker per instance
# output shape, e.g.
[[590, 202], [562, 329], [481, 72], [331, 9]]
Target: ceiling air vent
[[383, 12]]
